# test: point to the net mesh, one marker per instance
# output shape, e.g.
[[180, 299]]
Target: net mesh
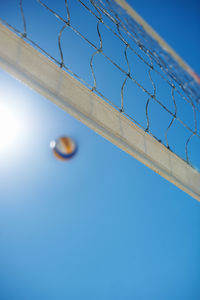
[[99, 44]]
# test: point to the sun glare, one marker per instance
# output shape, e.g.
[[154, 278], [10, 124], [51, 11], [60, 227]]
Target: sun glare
[[9, 127]]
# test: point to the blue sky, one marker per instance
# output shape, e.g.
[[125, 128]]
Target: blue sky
[[101, 226]]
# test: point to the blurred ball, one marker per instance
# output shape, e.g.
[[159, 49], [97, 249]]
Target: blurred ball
[[64, 148]]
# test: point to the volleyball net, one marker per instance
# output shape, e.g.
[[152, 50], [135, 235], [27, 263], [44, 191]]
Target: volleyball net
[[108, 49]]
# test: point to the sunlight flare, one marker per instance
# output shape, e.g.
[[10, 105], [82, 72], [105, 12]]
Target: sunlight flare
[[9, 127]]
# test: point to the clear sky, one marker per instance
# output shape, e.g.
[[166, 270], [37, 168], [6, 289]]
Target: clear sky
[[101, 226]]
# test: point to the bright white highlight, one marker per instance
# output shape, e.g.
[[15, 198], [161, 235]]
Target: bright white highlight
[[9, 127]]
